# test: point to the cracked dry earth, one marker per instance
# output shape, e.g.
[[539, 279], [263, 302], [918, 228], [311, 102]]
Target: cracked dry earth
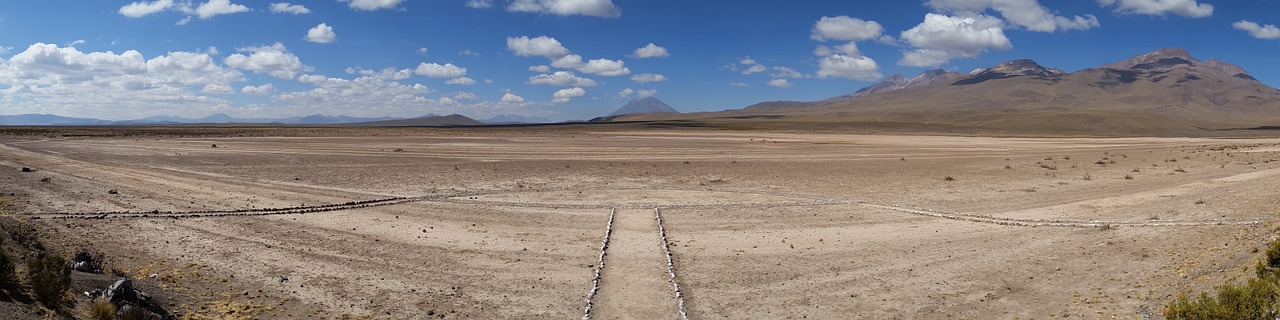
[[498, 224]]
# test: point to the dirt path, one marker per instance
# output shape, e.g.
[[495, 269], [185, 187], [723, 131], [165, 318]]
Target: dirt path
[[634, 284]]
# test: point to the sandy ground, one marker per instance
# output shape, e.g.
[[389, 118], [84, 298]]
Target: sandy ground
[[761, 225]]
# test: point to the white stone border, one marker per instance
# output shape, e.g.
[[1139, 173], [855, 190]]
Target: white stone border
[[671, 266], [595, 283]]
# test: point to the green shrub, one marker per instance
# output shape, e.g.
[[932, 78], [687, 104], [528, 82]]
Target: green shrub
[[49, 278], [1255, 299]]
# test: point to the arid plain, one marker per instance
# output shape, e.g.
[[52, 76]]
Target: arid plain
[[497, 223]]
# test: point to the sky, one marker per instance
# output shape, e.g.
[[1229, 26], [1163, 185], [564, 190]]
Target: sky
[[562, 59]]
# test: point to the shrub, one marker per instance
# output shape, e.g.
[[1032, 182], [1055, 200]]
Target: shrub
[[49, 278], [102, 310], [1254, 299], [8, 271]]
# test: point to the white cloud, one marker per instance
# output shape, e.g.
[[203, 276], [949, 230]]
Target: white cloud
[[563, 79], [435, 70], [626, 93], [321, 33], [463, 95], [274, 60], [384, 74], [461, 81], [183, 22], [942, 38], [422, 51], [563, 95], [512, 98], [848, 49], [312, 78], [651, 51], [261, 90], [648, 77], [646, 93], [542, 46], [747, 61], [5, 50], [568, 62], [285, 7], [63, 80], [594, 8], [365, 96], [738, 84], [479, 4], [540, 68], [849, 67], [468, 52], [844, 28], [214, 8], [1186, 8], [1028, 14], [785, 72], [143, 8], [755, 68], [605, 67], [370, 5], [1267, 32], [781, 83], [217, 89]]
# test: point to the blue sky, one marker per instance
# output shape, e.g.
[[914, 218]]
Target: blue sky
[[561, 59]]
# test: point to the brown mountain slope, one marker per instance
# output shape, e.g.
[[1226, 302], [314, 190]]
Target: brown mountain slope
[[1166, 92]]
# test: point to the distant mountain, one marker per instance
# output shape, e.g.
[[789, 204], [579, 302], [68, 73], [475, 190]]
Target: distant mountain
[[47, 120], [513, 118], [644, 105], [898, 82], [452, 120], [1165, 92]]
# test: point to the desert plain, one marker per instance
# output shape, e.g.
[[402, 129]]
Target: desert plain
[[509, 223]]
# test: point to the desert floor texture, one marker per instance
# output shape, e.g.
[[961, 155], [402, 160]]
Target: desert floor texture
[[510, 224]]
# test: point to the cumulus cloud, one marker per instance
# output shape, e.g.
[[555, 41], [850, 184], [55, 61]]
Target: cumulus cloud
[[594, 8], [321, 33], [626, 93], [422, 51], [384, 74], [781, 83], [568, 62], [213, 8], [1186, 8], [218, 89], [366, 96], [540, 68], [859, 68], [785, 72], [370, 5], [738, 84], [463, 95], [461, 81], [274, 60], [542, 46], [651, 51], [285, 7], [1028, 14], [848, 49], [64, 80], [512, 98], [648, 77], [646, 93], [941, 38], [563, 95], [261, 90], [563, 79], [479, 4], [143, 8], [439, 71], [845, 28], [1267, 32], [605, 67]]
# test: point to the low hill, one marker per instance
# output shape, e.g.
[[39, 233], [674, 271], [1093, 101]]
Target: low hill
[[452, 120]]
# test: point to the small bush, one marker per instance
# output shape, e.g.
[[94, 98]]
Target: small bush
[[948, 178], [49, 278], [1254, 299], [8, 271], [102, 310]]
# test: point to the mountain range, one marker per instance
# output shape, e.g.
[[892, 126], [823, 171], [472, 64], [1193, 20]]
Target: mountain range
[[222, 118], [644, 105], [1165, 92]]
